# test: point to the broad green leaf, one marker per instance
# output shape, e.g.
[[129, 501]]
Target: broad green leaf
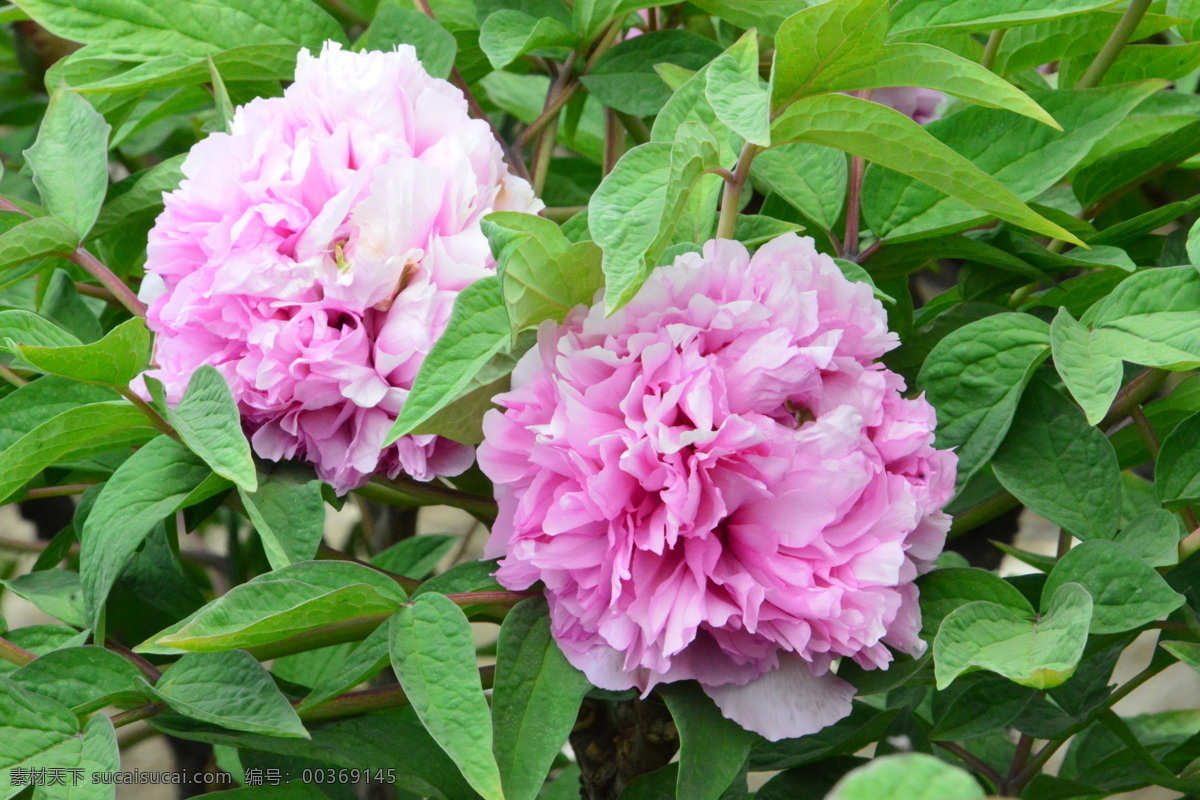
[[712, 748], [1127, 232], [1023, 155], [892, 140], [288, 512], [996, 356], [907, 776], [416, 556], [977, 705], [37, 238], [1058, 465], [535, 700], [229, 689], [82, 678], [150, 485], [251, 62], [856, 273], [1189, 11], [69, 160], [1153, 537], [1141, 62], [1092, 375], [93, 751], [1193, 244], [1187, 652], [753, 230], [136, 30], [508, 34], [624, 77], [986, 15], [739, 100], [55, 591], [1150, 318], [208, 422], [115, 360], [76, 433], [765, 15], [944, 590], [1126, 591], [542, 275], [433, 653], [524, 96], [140, 193], [62, 303], [1041, 652], [477, 331], [365, 661], [824, 36], [282, 605], [1129, 167], [812, 179], [33, 723], [588, 17], [396, 24], [1177, 470], [40, 401], [1028, 46], [42, 639], [20, 327]]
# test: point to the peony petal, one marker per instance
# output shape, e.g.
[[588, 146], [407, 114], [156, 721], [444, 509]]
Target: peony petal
[[787, 702]]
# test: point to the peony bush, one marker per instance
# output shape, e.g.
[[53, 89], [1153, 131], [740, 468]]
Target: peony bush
[[541, 399]]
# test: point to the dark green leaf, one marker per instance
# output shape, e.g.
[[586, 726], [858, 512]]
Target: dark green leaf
[[712, 748], [1126, 591]]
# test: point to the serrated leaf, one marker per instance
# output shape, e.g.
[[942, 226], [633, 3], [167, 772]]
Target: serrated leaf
[[115, 360], [1126, 592], [150, 485], [535, 700], [208, 422], [69, 160], [1057, 464], [78, 432], [996, 356], [394, 24], [892, 140], [1041, 653], [712, 748], [1092, 375], [288, 513], [229, 689], [433, 653]]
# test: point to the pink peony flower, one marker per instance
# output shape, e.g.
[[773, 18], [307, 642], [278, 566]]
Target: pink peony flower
[[718, 482], [313, 254], [920, 105]]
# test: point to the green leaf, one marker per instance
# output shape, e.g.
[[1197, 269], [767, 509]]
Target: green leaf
[[636, 209], [140, 193], [892, 140], [416, 556], [712, 748], [95, 751], [542, 275], [977, 705], [82, 678], [739, 100], [37, 238], [986, 15], [996, 356], [24, 327], [765, 15], [812, 179], [150, 485], [1023, 155], [1041, 652], [1127, 232], [288, 512], [33, 723], [365, 661], [134, 30], [945, 590], [63, 303], [524, 96], [1126, 591], [821, 37], [1193, 244], [1029, 46], [588, 17], [907, 776], [79, 432], [395, 24], [433, 653], [1177, 470], [1143, 61], [1153, 537], [208, 422], [54, 591], [477, 331], [69, 160], [1149, 319], [229, 689], [115, 360], [1058, 465], [1186, 652], [508, 34], [282, 606], [535, 700], [624, 77], [1128, 168], [255, 62], [1092, 375]]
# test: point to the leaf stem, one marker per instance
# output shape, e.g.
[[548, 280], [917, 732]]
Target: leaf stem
[[490, 598], [973, 761], [12, 377], [561, 213], [634, 126], [135, 714], [731, 197], [327, 553], [14, 654], [993, 48], [406, 492], [1116, 42], [853, 208], [155, 418], [368, 700]]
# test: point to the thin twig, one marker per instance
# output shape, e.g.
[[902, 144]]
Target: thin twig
[[12, 377], [732, 195], [972, 760], [993, 48], [15, 654], [1116, 42]]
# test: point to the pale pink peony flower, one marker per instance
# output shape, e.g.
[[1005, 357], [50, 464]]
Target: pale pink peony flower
[[918, 104], [719, 482], [313, 254]]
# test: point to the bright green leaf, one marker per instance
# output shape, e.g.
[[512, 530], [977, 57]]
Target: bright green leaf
[[944, 590], [1092, 376], [396, 24], [1126, 591], [82, 678], [288, 512], [69, 160], [115, 360], [625, 77], [907, 776], [208, 422], [986, 15]]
